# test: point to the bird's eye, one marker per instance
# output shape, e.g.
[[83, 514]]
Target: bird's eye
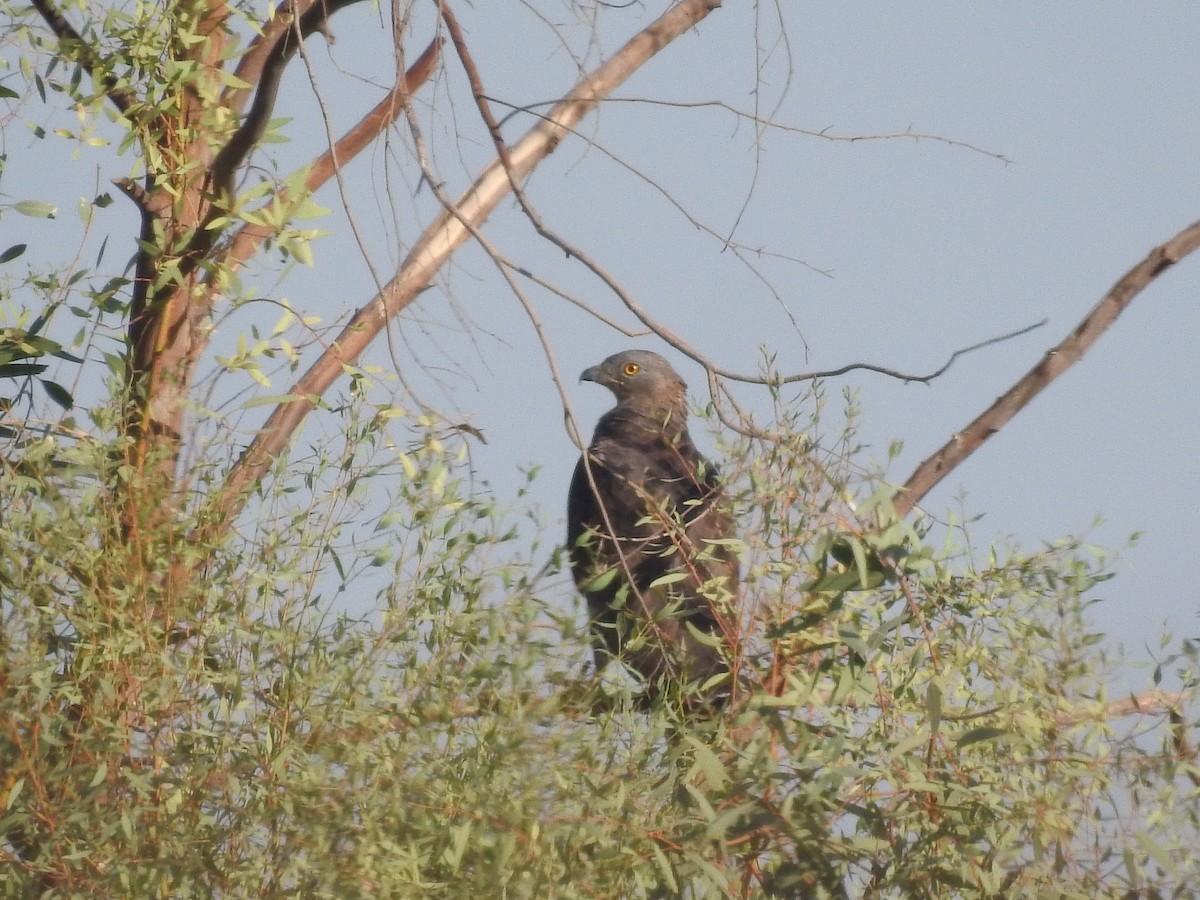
[[631, 368]]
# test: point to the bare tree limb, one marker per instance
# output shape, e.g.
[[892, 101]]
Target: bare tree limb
[[436, 244], [257, 56], [81, 51], [252, 128], [249, 237], [477, 91], [1054, 363]]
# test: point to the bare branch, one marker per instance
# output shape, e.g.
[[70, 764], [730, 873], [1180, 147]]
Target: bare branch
[[439, 241], [289, 29], [477, 91], [254, 60], [744, 253], [81, 51], [575, 301], [250, 236], [771, 124], [825, 134], [683, 346], [1054, 363], [936, 373]]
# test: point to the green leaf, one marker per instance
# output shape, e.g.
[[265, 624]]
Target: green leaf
[[978, 735], [933, 705], [58, 393], [273, 400], [601, 581], [832, 582], [19, 370], [709, 764], [12, 252], [670, 578], [36, 209], [14, 792]]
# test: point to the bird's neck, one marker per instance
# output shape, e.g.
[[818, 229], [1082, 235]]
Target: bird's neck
[[670, 422]]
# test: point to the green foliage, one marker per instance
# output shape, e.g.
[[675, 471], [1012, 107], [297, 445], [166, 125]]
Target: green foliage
[[332, 710]]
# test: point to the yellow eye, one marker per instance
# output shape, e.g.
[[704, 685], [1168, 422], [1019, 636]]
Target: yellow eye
[[631, 368]]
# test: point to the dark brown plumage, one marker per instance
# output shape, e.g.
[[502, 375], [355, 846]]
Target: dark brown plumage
[[644, 532]]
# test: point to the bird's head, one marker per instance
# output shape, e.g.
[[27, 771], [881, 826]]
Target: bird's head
[[642, 381]]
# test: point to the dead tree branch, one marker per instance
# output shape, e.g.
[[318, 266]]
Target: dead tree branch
[[1054, 363]]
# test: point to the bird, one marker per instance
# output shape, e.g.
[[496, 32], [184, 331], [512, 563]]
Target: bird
[[650, 544]]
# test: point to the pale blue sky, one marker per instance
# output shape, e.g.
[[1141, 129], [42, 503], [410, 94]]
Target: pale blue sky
[[931, 247]]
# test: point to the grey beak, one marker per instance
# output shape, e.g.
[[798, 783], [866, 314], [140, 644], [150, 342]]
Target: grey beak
[[592, 374]]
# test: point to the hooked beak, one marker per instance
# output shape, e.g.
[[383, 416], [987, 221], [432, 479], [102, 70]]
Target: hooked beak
[[594, 374]]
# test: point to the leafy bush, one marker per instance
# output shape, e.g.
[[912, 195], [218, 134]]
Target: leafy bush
[[401, 710]]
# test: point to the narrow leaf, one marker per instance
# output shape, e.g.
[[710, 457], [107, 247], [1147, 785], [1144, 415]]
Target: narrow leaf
[[36, 209], [978, 735], [58, 393]]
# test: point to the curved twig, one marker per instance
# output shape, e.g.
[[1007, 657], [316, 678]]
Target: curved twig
[[825, 134], [1056, 361]]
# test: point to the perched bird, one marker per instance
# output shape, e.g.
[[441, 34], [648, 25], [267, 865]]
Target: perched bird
[[648, 541]]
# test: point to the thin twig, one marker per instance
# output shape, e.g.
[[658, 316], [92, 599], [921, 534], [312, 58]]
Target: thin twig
[[822, 133], [477, 91]]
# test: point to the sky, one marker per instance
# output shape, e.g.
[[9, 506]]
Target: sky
[[1062, 143]]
